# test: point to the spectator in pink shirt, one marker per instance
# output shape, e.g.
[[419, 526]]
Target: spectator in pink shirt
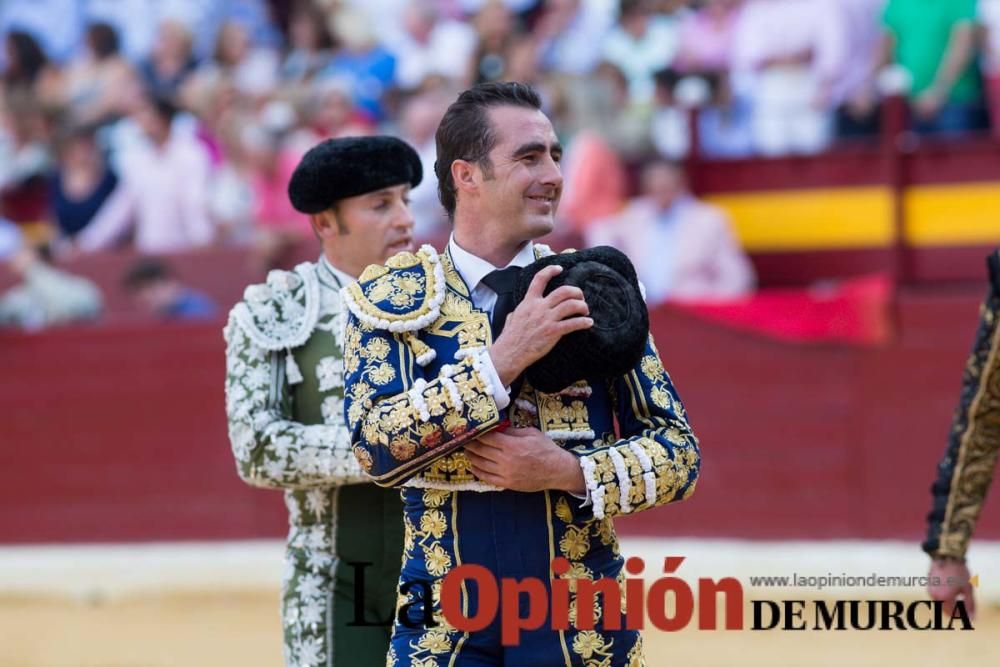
[[705, 39], [327, 112], [163, 196], [278, 226], [272, 169], [683, 248]]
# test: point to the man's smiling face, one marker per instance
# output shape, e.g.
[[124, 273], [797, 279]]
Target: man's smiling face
[[521, 185]]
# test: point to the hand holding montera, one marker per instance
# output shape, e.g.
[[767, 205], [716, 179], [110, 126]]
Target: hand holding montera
[[537, 324]]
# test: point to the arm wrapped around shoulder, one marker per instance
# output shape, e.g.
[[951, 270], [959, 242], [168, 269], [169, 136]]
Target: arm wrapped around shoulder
[[400, 420]]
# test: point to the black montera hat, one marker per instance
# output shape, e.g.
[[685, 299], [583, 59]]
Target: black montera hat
[[341, 168], [616, 342]]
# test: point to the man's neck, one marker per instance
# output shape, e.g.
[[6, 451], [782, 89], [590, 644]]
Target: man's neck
[[160, 144], [343, 266], [671, 207]]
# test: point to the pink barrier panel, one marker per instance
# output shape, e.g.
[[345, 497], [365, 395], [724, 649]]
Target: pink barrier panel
[[118, 433], [115, 434]]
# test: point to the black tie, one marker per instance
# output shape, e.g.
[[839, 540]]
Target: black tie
[[502, 281]]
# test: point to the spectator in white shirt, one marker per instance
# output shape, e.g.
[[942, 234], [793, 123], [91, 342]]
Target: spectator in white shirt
[[426, 46], [162, 197], [418, 121], [640, 44], [790, 80], [570, 34]]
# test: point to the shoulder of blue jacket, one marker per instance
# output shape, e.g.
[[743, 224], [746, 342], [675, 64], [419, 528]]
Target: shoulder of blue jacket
[[404, 294]]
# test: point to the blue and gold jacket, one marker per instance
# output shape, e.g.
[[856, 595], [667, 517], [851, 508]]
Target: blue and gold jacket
[[415, 392]]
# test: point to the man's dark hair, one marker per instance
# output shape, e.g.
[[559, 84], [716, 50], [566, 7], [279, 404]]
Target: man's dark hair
[[68, 131], [466, 133], [629, 7], [103, 40], [29, 56], [146, 272], [164, 107], [667, 78]]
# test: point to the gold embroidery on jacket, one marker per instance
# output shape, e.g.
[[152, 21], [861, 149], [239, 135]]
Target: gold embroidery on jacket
[[976, 458], [562, 413]]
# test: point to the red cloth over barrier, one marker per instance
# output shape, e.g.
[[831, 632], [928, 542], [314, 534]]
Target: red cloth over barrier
[[852, 311]]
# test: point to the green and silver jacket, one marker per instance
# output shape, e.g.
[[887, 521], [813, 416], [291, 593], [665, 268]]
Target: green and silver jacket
[[284, 402]]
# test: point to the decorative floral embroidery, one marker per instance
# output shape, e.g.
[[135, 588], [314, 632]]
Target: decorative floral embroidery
[[382, 374], [433, 523], [437, 560], [658, 466], [588, 644], [282, 313], [272, 450], [332, 410], [563, 511], [435, 641], [427, 416], [402, 449], [635, 656], [330, 373], [364, 458], [575, 543], [360, 394], [564, 417], [435, 497]]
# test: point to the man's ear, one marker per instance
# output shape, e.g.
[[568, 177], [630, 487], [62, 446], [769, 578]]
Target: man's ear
[[326, 224], [465, 175]]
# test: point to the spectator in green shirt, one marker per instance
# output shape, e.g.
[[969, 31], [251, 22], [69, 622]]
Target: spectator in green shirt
[[934, 40]]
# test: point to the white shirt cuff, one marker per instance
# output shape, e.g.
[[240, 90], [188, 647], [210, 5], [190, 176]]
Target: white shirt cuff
[[586, 494], [501, 394]]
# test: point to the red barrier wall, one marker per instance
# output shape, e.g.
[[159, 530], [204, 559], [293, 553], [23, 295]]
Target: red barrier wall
[[118, 433]]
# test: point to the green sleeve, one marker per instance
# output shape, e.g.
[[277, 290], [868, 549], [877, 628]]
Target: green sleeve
[[271, 449]]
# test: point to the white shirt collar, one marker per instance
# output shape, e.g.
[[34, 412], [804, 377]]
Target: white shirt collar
[[473, 269]]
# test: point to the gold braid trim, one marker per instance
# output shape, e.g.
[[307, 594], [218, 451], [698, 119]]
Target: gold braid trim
[[975, 461]]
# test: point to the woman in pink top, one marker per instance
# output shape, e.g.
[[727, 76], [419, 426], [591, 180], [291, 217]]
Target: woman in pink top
[[279, 226], [705, 37]]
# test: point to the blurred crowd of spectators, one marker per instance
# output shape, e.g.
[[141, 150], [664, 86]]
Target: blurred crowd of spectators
[[175, 124]]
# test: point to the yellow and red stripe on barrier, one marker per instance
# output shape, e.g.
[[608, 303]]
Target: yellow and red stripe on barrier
[[862, 217]]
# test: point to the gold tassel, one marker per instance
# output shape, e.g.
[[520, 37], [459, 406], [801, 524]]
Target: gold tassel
[[419, 348]]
